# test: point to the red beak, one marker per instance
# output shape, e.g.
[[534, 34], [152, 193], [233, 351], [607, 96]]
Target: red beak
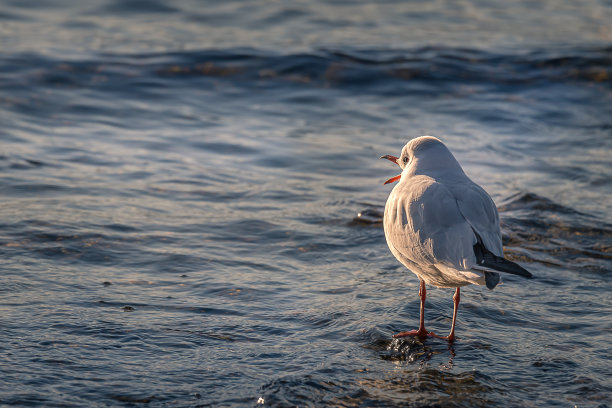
[[390, 158], [394, 160], [393, 179]]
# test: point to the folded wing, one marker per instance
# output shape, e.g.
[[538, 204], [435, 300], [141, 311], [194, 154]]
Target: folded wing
[[424, 226]]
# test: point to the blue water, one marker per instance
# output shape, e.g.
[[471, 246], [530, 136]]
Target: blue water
[[191, 199]]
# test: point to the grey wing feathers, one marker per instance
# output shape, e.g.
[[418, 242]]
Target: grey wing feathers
[[480, 212]]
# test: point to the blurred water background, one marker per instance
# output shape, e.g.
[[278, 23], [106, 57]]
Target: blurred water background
[[190, 201]]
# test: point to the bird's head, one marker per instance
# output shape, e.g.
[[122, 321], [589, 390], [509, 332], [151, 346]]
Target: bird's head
[[423, 155]]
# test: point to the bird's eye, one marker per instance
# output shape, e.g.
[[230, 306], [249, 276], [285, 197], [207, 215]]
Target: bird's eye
[[405, 159]]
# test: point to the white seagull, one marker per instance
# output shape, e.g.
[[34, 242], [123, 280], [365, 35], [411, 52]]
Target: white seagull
[[443, 226]]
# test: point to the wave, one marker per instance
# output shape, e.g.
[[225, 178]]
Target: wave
[[325, 68]]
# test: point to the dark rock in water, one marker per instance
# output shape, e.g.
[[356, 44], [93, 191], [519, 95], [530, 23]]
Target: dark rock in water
[[406, 349], [369, 216], [132, 400]]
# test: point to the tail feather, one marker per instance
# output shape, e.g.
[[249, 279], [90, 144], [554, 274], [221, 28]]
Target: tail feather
[[491, 279]]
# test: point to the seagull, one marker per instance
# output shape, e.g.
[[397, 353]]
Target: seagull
[[442, 226]]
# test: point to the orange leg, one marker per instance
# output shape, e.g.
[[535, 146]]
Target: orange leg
[[424, 333], [456, 299], [421, 332]]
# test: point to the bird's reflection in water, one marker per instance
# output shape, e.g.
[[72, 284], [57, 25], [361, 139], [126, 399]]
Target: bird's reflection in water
[[412, 349]]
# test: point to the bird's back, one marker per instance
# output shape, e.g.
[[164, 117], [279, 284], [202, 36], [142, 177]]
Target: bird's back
[[431, 226]]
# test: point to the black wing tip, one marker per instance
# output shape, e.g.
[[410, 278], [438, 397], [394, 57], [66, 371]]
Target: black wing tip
[[516, 269], [503, 265], [486, 258]]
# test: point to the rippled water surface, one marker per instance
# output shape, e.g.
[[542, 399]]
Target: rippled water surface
[[191, 199]]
